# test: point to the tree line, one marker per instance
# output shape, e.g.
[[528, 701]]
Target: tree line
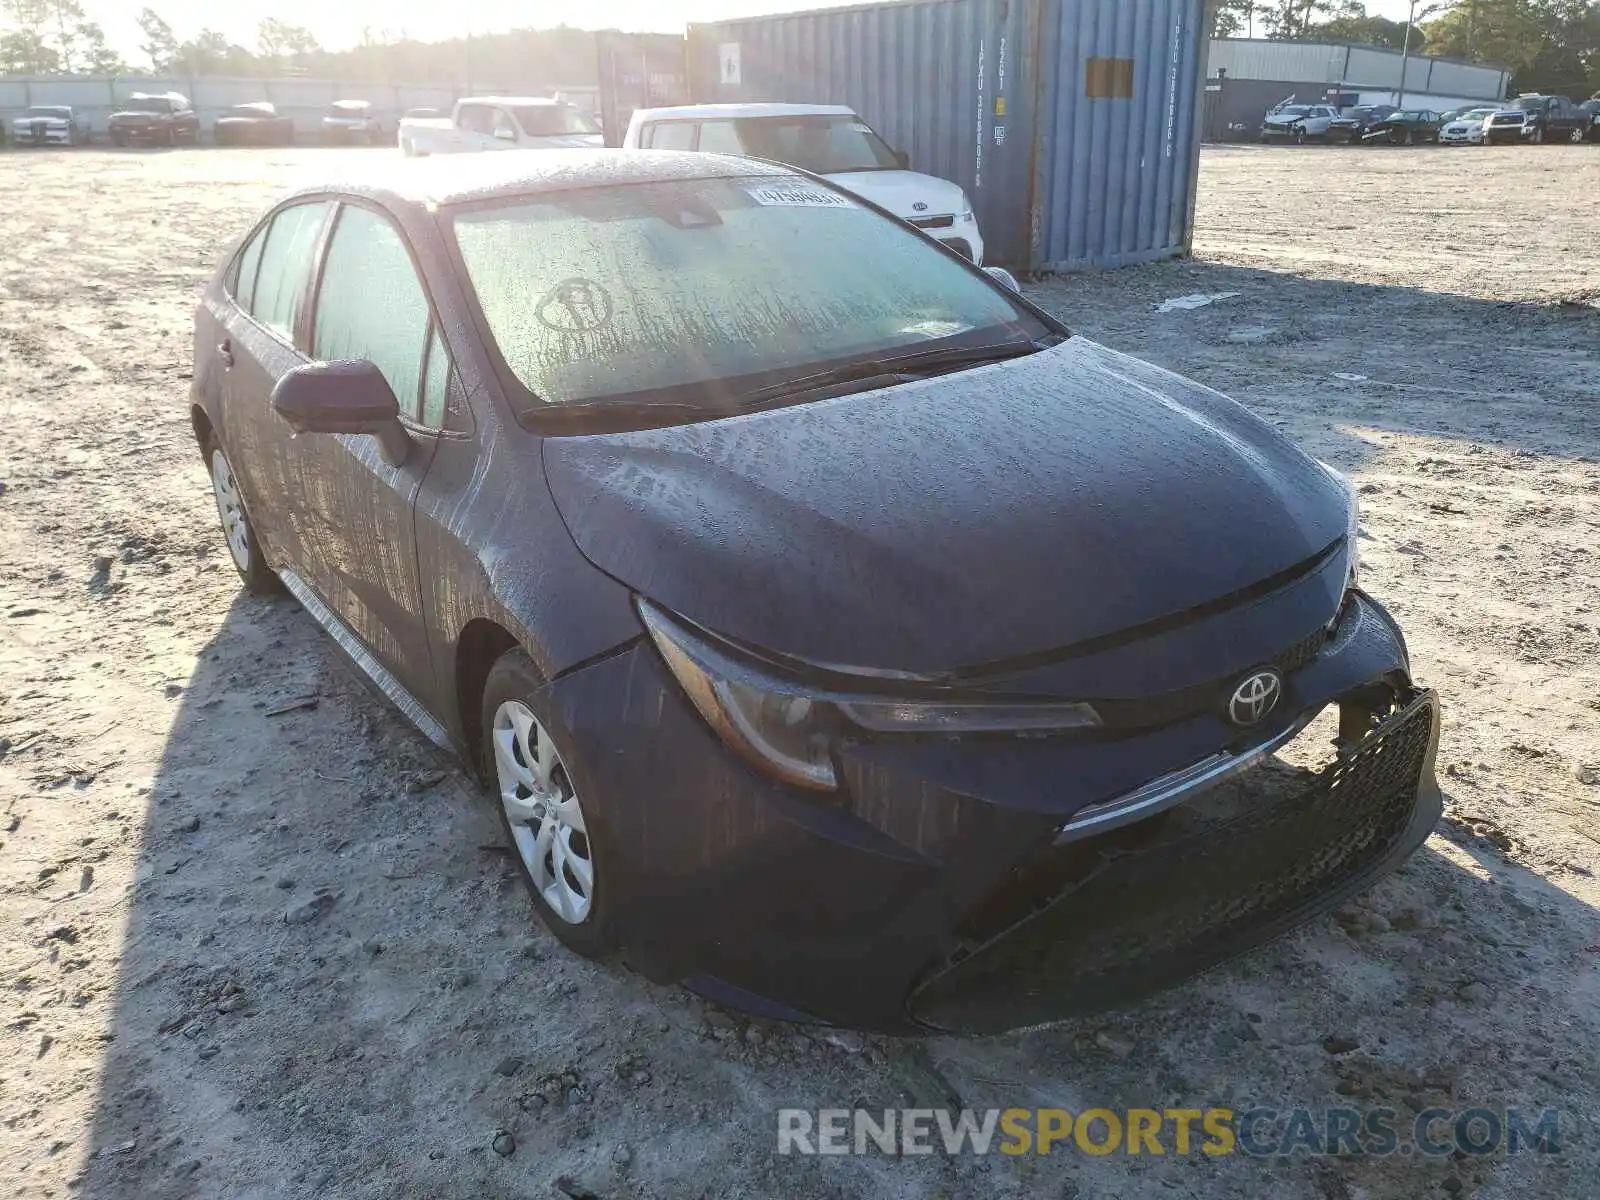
[[54, 37], [1549, 45]]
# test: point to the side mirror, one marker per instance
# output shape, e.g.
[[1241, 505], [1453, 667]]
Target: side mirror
[[343, 397], [1002, 276], [505, 133], [904, 159]]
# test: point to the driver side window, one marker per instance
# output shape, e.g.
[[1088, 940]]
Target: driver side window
[[370, 304], [476, 118]]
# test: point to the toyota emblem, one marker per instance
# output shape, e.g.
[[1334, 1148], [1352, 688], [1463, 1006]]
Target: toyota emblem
[[919, 206], [1255, 697]]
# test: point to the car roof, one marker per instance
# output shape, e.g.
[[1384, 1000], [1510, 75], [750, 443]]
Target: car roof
[[351, 104], [745, 110], [435, 181]]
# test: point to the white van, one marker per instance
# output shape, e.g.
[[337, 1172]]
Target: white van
[[825, 139]]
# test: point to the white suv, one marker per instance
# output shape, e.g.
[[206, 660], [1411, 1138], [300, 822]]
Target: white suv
[[825, 139], [1298, 122]]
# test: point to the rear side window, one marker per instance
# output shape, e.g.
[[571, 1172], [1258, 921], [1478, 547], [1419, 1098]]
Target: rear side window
[[244, 283], [371, 305], [671, 135], [280, 285]]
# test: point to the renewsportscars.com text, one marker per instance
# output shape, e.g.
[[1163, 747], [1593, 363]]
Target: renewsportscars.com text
[[1255, 1132]]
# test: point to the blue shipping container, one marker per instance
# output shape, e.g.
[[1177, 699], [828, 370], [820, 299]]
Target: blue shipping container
[[1073, 125]]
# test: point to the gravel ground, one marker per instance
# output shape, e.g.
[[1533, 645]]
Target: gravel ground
[[250, 952]]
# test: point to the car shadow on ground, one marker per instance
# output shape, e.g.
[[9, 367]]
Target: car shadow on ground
[[332, 984], [1513, 375]]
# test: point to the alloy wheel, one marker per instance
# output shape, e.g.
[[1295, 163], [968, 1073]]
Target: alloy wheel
[[230, 508], [542, 808]]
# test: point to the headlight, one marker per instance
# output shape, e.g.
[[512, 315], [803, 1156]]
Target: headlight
[[786, 726], [1352, 532], [776, 728]]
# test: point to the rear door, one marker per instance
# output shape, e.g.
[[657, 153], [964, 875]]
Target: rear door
[[269, 291]]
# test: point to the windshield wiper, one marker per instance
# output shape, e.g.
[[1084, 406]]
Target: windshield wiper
[[608, 416], [898, 364]]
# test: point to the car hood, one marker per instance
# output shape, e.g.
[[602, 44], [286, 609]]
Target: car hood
[[1279, 119], [952, 522], [901, 191], [565, 140], [39, 121]]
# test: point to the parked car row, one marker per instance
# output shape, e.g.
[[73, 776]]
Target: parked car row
[[1532, 118], [169, 119]]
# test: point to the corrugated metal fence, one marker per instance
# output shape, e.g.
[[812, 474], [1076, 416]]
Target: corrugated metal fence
[[1073, 125], [1360, 67], [305, 100]]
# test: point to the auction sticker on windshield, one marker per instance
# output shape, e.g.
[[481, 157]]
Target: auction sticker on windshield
[[792, 195]]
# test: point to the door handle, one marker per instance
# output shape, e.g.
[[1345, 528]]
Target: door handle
[[225, 351]]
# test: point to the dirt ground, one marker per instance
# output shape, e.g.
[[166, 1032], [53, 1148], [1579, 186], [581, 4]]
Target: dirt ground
[[1420, 319]]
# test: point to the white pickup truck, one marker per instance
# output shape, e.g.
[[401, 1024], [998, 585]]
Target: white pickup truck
[[500, 123]]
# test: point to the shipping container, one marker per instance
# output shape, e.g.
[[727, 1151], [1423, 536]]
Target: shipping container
[[638, 70], [1073, 125]]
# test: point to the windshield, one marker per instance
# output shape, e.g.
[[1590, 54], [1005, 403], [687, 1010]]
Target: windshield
[[549, 120], [154, 104], [351, 112], [619, 292], [1409, 115], [49, 111], [250, 110], [1530, 103], [823, 145], [1294, 110]]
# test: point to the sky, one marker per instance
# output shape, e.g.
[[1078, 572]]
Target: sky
[[337, 24]]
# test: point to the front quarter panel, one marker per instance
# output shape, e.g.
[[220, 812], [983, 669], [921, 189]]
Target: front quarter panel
[[491, 545]]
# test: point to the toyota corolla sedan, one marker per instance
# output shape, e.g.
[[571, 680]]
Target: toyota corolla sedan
[[835, 631]]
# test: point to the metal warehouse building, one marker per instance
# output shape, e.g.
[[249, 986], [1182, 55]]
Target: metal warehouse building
[[1073, 125], [1247, 76]]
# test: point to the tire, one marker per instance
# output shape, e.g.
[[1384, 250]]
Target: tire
[[1577, 134], [513, 759], [1538, 135], [1299, 135], [259, 579], [119, 139]]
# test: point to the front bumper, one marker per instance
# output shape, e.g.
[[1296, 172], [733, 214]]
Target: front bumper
[[936, 889], [31, 133]]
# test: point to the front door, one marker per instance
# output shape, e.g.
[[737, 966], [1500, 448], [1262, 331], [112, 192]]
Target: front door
[[370, 304]]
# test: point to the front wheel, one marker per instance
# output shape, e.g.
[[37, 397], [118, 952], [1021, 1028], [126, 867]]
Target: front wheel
[[243, 547], [1576, 135], [1538, 136], [556, 836]]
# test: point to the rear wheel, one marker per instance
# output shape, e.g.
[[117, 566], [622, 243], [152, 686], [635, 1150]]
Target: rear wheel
[[236, 528], [557, 837], [1577, 134]]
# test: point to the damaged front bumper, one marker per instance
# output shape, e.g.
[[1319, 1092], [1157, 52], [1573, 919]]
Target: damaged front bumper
[[1094, 924], [984, 883]]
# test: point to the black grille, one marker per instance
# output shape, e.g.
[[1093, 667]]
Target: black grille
[[933, 222], [1099, 923], [1150, 712]]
